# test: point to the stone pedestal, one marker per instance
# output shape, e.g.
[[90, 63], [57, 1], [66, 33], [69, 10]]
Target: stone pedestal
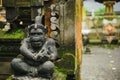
[[29, 78]]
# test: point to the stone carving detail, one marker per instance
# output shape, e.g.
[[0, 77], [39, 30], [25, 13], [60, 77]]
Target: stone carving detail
[[54, 20], [38, 54]]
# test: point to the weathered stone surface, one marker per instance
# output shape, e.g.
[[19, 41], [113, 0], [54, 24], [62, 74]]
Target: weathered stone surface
[[5, 68], [56, 76], [29, 78]]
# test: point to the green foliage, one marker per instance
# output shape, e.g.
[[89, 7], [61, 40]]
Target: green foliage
[[9, 78], [115, 16], [67, 58], [60, 75], [108, 46], [62, 64], [95, 40], [111, 46], [100, 10], [97, 14], [62, 71], [16, 34]]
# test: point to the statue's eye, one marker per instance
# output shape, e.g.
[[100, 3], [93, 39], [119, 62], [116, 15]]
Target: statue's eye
[[32, 33], [40, 33]]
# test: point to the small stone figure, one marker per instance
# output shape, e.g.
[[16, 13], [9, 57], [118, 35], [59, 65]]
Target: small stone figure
[[38, 53], [85, 42]]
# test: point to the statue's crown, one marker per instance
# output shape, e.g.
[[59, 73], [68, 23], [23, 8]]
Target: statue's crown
[[38, 26]]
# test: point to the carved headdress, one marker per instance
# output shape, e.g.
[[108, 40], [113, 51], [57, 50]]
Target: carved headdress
[[38, 25]]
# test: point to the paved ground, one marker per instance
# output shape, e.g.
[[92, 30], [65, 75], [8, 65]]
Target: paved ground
[[102, 64]]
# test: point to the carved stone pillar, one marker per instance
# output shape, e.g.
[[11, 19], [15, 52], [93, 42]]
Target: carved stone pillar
[[109, 8]]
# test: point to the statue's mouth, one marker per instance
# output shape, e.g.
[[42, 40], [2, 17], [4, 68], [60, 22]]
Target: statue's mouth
[[37, 39], [37, 43]]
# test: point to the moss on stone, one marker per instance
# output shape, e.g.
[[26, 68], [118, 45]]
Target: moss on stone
[[66, 64], [9, 78], [16, 34], [59, 75]]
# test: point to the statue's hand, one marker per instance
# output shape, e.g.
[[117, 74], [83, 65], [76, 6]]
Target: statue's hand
[[35, 57], [52, 57], [38, 57], [43, 57]]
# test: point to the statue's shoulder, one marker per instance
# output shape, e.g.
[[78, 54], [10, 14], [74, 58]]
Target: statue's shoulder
[[50, 41]]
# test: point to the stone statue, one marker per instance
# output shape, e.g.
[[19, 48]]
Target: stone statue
[[38, 54]]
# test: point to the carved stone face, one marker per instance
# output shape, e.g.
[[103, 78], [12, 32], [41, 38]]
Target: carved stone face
[[37, 37]]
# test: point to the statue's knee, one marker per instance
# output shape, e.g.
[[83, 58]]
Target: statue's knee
[[15, 61], [48, 65], [46, 68]]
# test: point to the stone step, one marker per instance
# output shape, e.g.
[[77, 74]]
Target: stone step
[[5, 70], [6, 59], [4, 76]]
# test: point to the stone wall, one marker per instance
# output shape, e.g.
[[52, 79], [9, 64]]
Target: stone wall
[[67, 22]]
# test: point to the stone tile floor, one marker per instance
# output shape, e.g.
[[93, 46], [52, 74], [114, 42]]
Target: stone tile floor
[[102, 64]]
